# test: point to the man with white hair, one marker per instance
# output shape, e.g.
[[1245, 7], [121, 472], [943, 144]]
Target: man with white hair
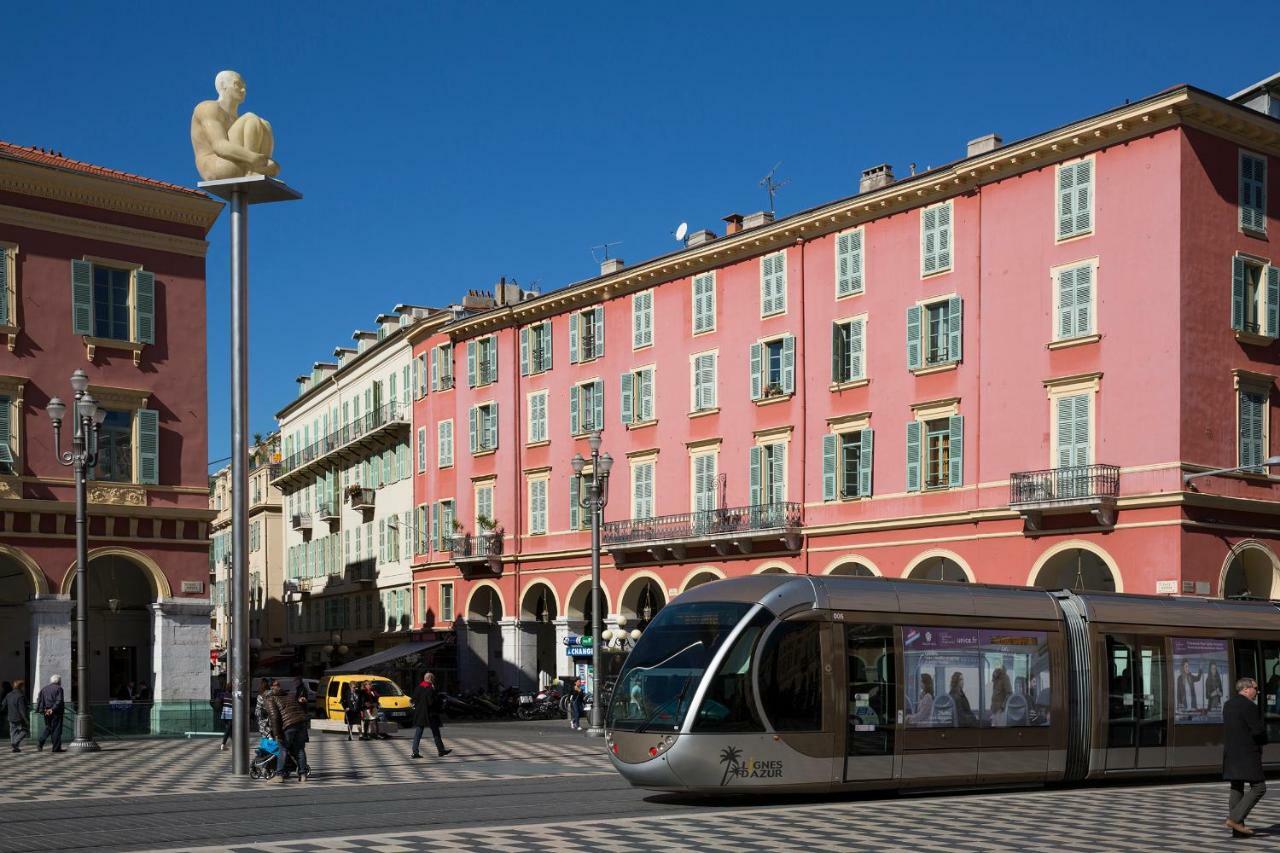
[[226, 144], [50, 703]]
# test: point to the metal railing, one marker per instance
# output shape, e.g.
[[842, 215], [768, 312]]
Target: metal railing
[[690, 525], [444, 383], [341, 437], [465, 545], [301, 521], [361, 497], [1061, 484]]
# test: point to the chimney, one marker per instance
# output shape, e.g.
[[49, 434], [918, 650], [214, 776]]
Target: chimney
[[476, 300], [697, 238], [733, 224], [762, 217], [983, 144], [506, 292], [610, 265], [875, 178]]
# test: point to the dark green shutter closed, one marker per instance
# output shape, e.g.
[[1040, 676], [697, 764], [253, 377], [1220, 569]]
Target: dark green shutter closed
[[625, 384], [955, 329], [148, 421], [1237, 293], [81, 298], [144, 315], [913, 456], [755, 459], [955, 476], [1273, 301], [913, 337], [4, 286], [829, 449], [757, 359], [866, 453]]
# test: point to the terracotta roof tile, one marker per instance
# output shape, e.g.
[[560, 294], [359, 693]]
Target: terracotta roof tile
[[32, 154]]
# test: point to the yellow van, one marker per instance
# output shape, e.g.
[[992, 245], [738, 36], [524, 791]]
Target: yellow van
[[391, 699]]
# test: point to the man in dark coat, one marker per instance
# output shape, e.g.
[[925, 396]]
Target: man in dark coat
[[426, 714], [1244, 733], [51, 705], [16, 712], [289, 728]]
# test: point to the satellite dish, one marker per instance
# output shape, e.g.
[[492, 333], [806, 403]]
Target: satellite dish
[[681, 230]]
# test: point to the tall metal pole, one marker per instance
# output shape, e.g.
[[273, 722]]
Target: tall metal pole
[[80, 449], [239, 480], [596, 729]]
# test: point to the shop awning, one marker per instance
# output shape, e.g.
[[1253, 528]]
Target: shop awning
[[383, 657]]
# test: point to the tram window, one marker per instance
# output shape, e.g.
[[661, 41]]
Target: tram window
[[1201, 668], [729, 704], [791, 677], [966, 678], [1270, 683]]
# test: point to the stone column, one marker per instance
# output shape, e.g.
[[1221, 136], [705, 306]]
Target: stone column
[[564, 664], [526, 662], [51, 641], [473, 654], [180, 650], [508, 667]]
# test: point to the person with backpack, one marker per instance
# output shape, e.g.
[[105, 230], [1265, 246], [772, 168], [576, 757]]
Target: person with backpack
[[289, 727], [427, 704]]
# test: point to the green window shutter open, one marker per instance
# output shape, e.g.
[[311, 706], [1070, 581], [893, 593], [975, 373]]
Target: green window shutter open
[[524, 351], [929, 239], [6, 452], [1237, 293], [5, 308], [855, 348], [597, 317], [955, 328], [1253, 193], [625, 384], [839, 354], [148, 446], [866, 453], [472, 377], [913, 337], [598, 403], [435, 368], [574, 419], [575, 508], [1067, 303], [474, 422], [757, 367], [81, 298], [646, 395], [913, 456], [1273, 301], [757, 454], [777, 474], [144, 313], [788, 364], [492, 420], [830, 445], [574, 321], [955, 476]]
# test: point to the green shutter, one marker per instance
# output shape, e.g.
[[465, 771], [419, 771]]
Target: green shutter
[[844, 257], [493, 425], [1252, 409], [913, 337], [955, 329], [913, 456], [944, 236], [830, 448], [1238, 293], [1084, 299], [929, 239], [597, 317], [646, 395], [473, 418], [148, 446], [1084, 188], [472, 377], [757, 366], [1273, 301], [435, 526], [955, 476], [81, 298], [866, 454], [4, 286], [756, 455], [777, 476], [545, 364], [574, 334], [855, 348], [6, 452], [574, 392], [598, 401], [1253, 193], [1067, 303], [1065, 428], [524, 351], [788, 364], [839, 356], [575, 508], [625, 384]]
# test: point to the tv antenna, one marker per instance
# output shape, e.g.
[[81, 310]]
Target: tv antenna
[[771, 186], [681, 230], [605, 248]]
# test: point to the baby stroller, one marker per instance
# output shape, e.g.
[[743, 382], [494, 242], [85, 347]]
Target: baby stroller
[[267, 758]]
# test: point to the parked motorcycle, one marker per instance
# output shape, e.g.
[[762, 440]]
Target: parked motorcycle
[[458, 707], [543, 705]]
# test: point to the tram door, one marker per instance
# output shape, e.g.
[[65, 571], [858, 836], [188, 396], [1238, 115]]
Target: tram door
[[1137, 722], [871, 703]]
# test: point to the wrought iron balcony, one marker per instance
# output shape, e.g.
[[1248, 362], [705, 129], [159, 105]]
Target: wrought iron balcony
[[361, 498], [370, 433], [730, 532], [301, 521], [444, 383], [476, 555], [328, 512], [1064, 491]]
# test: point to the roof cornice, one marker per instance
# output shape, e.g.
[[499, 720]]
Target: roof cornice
[[1156, 113]]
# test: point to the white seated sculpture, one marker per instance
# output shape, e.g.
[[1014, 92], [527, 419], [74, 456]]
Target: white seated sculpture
[[228, 145]]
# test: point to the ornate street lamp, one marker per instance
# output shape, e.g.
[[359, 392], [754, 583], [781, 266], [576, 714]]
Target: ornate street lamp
[[593, 499], [83, 455]]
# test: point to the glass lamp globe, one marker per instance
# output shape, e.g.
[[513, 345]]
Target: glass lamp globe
[[606, 635], [622, 621], [635, 634]]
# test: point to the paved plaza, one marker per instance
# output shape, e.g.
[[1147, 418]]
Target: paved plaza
[[540, 787]]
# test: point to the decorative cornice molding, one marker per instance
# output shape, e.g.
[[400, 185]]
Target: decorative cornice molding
[[120, 398], [73, 226], [120, 495]]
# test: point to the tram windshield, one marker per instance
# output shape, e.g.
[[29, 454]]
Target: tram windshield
[[663, 670]]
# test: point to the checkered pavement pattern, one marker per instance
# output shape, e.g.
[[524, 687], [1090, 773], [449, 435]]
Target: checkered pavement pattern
[[1166, 818], [155, 767]]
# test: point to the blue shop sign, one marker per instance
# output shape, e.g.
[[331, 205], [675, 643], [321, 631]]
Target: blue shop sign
[[579, 651]]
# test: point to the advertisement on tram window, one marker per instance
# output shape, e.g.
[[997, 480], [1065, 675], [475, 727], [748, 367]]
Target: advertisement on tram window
[[970, 678], [1201, 669]]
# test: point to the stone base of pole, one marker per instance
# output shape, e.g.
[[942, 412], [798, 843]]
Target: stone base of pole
[[83, 741], [595, 731]]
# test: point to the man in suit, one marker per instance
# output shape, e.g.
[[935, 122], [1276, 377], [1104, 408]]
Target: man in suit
[[1185, 695], [426, 714], [1244, 733], [50, 703]]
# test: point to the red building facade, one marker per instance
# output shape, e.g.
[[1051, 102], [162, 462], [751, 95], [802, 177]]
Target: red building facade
[[105, 272], [996, 371]]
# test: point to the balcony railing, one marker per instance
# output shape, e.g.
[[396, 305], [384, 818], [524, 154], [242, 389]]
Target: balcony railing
[[361, 498], [328, 511], [733, 531], [369, 422], [1089, 488], [444, 383], [300, 521], [476, 555]]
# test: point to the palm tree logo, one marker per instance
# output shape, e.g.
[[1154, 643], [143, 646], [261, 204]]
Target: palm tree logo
[[730, 757]]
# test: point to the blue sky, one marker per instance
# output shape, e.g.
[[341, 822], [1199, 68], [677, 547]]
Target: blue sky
[[442, 145]]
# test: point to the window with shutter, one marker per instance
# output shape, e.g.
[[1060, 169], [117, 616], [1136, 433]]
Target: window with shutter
[[642, 490], [1071, 430], [148, 428], [1075, 199], [1251, 303], [703, 381], [704, 482], [848, 350], [704, 302], [422, 449], [642, 319], [935, 239], [849, 263], [937, 453], [537, 417], [538, 505], [1074, 301], [444, 444], [773, 284], [1253, 192], [1253, 412], [6, 436], [935, 333]]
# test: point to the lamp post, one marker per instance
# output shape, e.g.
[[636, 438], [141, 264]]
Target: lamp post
[[1265, 463], [593, 499], [83, 455]]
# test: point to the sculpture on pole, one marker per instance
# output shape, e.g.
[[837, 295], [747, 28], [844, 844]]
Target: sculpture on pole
[[226, 144]]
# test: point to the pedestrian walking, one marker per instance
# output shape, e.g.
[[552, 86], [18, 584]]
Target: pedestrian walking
[[427, 703], [577, 699], [289, 727], [224, 703], [351, 707], [369, 712], [17, 712], [1244, 733], [50, 703], [261, 712]]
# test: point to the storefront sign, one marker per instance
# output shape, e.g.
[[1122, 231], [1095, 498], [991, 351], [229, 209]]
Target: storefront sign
[[579, 651]]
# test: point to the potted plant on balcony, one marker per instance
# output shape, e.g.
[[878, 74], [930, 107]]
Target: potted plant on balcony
[[490, 533], [773, 389]]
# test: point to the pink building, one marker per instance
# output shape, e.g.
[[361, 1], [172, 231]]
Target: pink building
[[996, 371], [104, 271]]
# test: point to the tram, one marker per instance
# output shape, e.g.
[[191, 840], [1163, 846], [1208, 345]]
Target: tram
[[776, 683]]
